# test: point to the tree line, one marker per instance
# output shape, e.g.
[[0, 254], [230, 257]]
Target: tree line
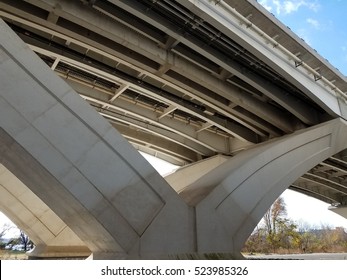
[[278, 234], [21, 242], [274, 234]]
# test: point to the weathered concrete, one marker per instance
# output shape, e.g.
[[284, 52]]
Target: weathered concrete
[[80, 166], [51, 236], [110, 196], [227, 20], [187, 175], [238, 192]]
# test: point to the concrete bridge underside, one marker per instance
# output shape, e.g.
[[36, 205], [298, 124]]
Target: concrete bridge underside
[[94, 181], [51, 236]]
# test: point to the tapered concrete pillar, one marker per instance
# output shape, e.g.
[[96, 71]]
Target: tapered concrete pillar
[[80, 166], [52, 237], [239, 192], [109, 195]]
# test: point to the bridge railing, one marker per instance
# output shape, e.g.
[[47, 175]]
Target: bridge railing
[[297, 61]]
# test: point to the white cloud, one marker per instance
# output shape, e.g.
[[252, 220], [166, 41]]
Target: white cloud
[[313, 23], [278, 6], [320, 26], [265, 4], [288, 7]]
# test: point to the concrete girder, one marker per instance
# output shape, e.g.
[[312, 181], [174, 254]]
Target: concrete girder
[[322, 168], [232, 93], [341, 157], [80, 87], [298, 109], [241, 133], [202, 77], [253, 122], [175, 153], [244, 117], [312, 186], [324, 180], [51, 236], [121, 17], [208, 139], [165, 134], [221, 17], [151, 117], [269, 113], [167, 123], [333, 166], [322, 197]]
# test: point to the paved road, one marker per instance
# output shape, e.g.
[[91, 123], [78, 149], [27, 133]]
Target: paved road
[[313, 256]]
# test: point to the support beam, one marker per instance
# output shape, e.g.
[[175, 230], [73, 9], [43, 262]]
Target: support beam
[[340, 210], [100, 187], [51, 236], [80, 166], [149, 49], [209, 13], [226, 19], [189, 174], [234, 196], [167, 111], [118, 92]]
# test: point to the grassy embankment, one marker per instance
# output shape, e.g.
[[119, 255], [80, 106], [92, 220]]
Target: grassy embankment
[[12, 255]]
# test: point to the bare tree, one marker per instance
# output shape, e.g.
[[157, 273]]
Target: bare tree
[[281, 232], [276, 231], [25, 241], [5, 228], [275, 215]]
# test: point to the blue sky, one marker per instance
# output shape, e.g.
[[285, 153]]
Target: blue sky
[[321, 23]]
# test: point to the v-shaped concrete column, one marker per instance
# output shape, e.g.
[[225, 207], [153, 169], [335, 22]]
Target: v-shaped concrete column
[[239, 192], [110, 196], [80, 166], [232, 195]]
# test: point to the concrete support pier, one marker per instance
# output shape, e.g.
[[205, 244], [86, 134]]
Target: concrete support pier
[[51, 236], [80, 166], [110, 197]]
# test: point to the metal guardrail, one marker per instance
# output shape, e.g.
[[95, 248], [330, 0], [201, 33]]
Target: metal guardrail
[[298, 62]]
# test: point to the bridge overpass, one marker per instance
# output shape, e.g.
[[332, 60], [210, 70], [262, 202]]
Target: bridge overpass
[[219, 87]]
